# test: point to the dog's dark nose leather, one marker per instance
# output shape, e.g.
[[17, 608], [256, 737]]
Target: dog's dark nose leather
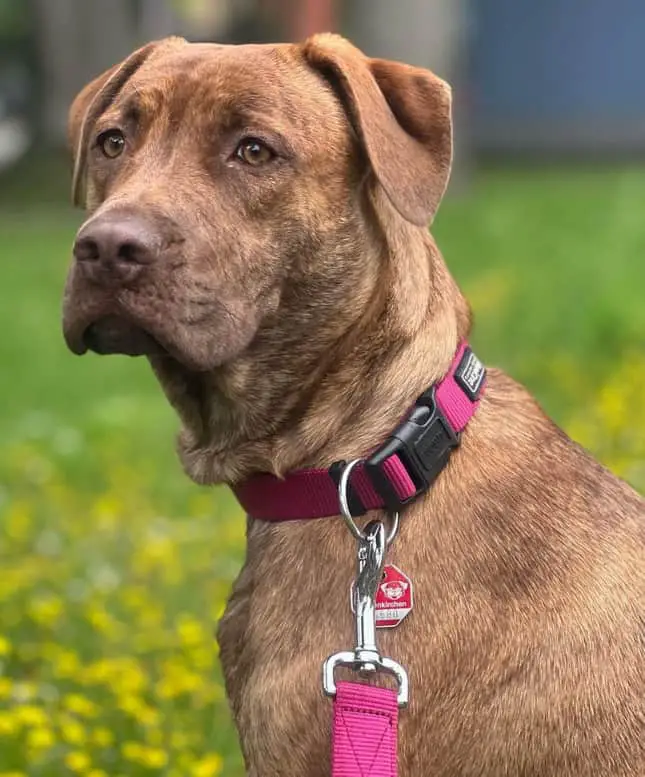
[[117, 243]]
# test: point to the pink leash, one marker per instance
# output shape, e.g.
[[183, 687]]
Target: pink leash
[[365, 718], [364, 731]]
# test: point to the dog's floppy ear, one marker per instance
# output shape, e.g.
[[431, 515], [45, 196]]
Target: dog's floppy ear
[[402, 116], [94, 99]]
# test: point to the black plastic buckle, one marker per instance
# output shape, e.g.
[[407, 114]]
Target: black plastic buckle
[[423, 442]]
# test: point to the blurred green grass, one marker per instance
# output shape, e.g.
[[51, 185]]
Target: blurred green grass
[[110, 554]]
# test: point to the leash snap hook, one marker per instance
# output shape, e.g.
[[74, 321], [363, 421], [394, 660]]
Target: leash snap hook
[[366, 658]]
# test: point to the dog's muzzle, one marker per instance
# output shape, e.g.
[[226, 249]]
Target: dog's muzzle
[[112, 253]]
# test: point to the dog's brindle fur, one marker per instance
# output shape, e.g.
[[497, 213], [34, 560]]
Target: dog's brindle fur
[[300, 306]]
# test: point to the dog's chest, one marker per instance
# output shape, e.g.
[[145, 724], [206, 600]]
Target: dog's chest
[[289, 610]]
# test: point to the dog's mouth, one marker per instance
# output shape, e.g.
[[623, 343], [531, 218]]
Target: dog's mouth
[[118, 335], [122, 333]]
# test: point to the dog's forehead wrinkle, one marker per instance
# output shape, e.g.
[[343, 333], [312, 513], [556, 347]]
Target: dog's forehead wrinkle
[[205, 61], [256, 80]]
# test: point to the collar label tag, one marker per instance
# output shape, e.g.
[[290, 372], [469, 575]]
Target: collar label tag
[[394, 597], [470, 374]]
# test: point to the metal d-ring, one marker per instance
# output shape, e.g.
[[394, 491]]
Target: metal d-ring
[[343, 499]]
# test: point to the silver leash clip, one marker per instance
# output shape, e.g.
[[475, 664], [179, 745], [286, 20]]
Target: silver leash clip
[[365, 658]]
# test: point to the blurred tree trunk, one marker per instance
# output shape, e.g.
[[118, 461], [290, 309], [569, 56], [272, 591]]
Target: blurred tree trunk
[[426, 33], [77, 40]]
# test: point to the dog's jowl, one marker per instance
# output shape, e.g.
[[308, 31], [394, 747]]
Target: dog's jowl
[[258, 229]]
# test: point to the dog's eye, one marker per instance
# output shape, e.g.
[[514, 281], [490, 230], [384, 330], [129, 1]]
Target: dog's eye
[[111, 143], [254, 152]]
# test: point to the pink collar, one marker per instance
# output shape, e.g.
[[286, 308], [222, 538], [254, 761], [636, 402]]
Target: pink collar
[[401, 469]]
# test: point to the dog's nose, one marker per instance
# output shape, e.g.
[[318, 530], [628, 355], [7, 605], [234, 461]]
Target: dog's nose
[[117, 243]]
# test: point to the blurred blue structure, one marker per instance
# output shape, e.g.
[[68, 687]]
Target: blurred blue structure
[[558, 75]]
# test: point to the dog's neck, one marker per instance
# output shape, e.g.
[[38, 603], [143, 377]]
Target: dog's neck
[[348, 396]]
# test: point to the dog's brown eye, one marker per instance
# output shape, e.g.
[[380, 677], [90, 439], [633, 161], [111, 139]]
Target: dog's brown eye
[[254, 152], [111, 143]]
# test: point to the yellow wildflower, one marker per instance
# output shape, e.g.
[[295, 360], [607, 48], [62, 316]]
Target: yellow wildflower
[[152, 757], [191, 631], [101, 620], [9, 724], [97, 673], [80, 705], [217, 610], [72, 731], [209, 766], [155, 758], [45, 610], [30, 715], [17, 520], [128, 677], [106, 511], [159, 551], [41, 738], [139, 710], [102, 736], [176, 680], [5, 646], [613, 408], [148, 716], [5, 687], [77, 761], [65, 664]]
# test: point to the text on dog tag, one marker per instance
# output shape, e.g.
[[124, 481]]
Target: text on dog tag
[[394, 597]]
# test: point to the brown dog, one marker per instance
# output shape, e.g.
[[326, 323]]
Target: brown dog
[[258, 229]]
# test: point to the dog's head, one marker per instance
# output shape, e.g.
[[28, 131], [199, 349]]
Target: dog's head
[[231, 195]]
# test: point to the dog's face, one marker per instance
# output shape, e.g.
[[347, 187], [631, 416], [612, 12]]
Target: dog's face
[[229, 191]]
